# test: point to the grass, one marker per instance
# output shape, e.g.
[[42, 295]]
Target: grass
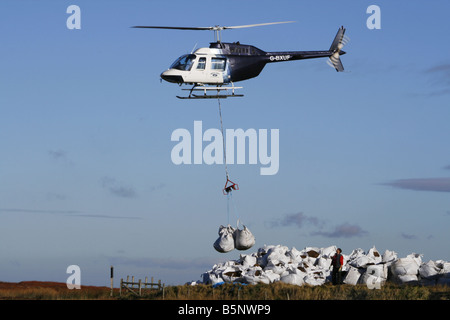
[[50, 291], [276, 291], [282, 291]]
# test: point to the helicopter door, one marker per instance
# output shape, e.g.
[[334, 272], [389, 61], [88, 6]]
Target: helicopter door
[[199, 74], [217, 72]]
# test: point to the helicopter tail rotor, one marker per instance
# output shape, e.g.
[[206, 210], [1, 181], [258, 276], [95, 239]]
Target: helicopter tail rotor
[[336, 49]]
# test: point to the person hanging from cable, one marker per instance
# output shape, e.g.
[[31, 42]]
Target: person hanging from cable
[[229, 186]]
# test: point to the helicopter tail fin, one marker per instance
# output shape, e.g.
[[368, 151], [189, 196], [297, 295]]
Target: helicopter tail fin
[[335, 62], [340, 40]]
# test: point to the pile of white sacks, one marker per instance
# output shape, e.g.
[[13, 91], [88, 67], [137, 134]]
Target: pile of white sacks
[[312, 266]]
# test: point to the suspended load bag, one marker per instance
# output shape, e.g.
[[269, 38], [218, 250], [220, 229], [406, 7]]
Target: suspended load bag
[[225, 242], [243, 239]]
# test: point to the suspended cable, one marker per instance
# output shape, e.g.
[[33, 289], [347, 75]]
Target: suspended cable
[[230, 238], [223, 141], [229, 185]]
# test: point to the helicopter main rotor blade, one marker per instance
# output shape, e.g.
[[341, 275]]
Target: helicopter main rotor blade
[[256, 25], [215, 28], [176, 28]]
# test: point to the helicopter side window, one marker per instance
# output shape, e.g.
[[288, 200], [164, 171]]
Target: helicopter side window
[[218, 64], [184, 62], [201, 63]]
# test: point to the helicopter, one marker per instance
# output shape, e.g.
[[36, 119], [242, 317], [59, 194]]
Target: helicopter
[[223, 63]]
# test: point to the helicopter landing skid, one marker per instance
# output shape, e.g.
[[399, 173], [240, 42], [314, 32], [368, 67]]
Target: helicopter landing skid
[[205, 95]]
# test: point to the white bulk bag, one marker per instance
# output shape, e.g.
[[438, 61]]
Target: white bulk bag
[[247, 260], [360, 261], [417, 257], [429, 269], [268, 277], [313, 280], [211, 278], [253, 275], [243, 239], [375, 276], [374, 255], [293, 278], [444, 266], [276, 266], [407, 278], [328, 252], [274, 253], [323, 263], [225, 242], [355, 254], [232, 274], [378, 270], [405, 266], [372, 282], [294, 255], [352, 276], [389, 256]]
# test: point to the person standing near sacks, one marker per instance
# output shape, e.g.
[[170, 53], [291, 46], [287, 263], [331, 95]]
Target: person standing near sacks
[[337, 262]]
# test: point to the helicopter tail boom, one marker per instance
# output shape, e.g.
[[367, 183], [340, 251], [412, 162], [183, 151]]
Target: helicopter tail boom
[[333, 53]]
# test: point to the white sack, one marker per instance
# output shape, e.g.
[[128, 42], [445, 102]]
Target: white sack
[[274, 253], [389, 256], [378, 270], [314, 279], [374, 255], [323, 263], [312, 252], [416, 257], [352, 276], [247, 260], [225, 242], [328, 252], [429, 269], [231, 274], [211, 278], [355, 254], [371, 281], [407, 278], [253, 275], [405, 266], [269, 277], [294, 255], [293, 278], [243, 239], [444, 266], [276, 266], [360, 261]]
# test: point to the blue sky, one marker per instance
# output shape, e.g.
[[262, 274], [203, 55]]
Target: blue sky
[[85, 126]]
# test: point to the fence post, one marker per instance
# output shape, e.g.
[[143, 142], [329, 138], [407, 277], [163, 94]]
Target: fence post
[[140, 288], [112, 280]]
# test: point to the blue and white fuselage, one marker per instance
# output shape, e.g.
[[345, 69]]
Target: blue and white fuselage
[[223, 63]]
